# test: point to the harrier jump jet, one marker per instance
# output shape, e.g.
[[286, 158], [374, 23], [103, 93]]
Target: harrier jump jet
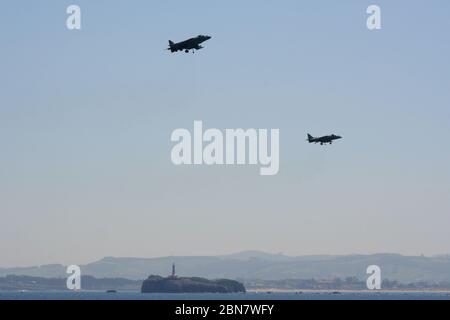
[[323, 140], [188, 45]]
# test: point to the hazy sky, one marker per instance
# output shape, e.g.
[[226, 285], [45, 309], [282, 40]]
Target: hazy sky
[[86, 118]]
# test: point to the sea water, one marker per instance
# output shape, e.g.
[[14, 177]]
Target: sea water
[[90, 295]]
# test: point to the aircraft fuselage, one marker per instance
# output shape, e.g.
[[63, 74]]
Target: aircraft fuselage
[[188, 45], [323, 140]]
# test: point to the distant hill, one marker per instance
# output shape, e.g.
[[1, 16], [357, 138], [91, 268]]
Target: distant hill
[[248, 255], [258, 265]]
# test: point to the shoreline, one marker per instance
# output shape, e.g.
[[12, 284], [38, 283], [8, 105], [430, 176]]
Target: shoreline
[[299, 291]]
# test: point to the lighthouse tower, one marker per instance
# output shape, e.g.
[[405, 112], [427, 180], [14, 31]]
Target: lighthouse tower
[[174, 275]]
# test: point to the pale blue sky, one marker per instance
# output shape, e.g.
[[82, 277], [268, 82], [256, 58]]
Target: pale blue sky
[[86, 118]]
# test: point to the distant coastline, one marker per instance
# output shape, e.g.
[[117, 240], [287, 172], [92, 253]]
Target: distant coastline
[[383, 291], [256, 270], [260, 266], [13, 283]]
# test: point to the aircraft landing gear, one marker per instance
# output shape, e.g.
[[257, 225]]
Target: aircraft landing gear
[[187, 51]]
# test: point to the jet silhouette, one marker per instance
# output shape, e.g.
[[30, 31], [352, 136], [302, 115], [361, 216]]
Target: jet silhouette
[[323, 140], [188, 45]]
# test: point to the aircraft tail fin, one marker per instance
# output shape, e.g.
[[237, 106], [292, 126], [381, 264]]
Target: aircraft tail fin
[[171, 46], [310, 137]]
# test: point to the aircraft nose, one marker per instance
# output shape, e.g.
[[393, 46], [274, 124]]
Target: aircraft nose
[[339, 137]]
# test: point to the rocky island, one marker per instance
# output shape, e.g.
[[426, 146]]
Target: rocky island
[[175, 284]]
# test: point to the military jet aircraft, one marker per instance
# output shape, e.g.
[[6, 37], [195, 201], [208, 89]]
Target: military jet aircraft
[[323, 140], [188, 45]]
